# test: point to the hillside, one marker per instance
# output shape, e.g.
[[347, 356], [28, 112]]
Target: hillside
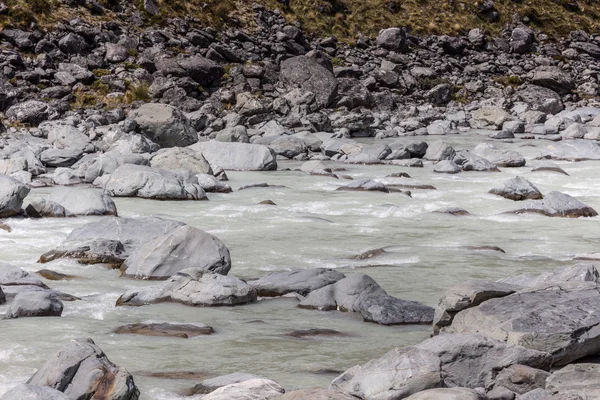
[[345, 19]]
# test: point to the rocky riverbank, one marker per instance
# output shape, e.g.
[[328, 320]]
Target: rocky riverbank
[[94, 114]]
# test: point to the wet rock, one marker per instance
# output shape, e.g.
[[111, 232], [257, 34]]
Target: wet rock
[[462, 360], [313, 333], [46, 209], [93, 251], [12, 194], [176, 158], [210, 184], [452, 211], [165, 329], [263, 389], [446, 167], [212, 384], [315, 167], [302, 281], [316, 394], [501, 158], [447, 394], [521, 379], [267, 203], [366, 186], [369, 254], [260, 185], [305, 73], [557, 204], [582, 380], [517, 188], [573, 150], [195, 288], [82, 371], [164, 124], [184, 247], [30, 392], [361, 294], [54, 276], [80, 201], [14, 276], [5, 227], [34, 304], [238, 156], [549, 166], [130, 180], [472, 162]]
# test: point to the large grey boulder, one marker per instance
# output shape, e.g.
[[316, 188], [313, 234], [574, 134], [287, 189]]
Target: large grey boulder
[[492, 117], [94, 251], [31, 392], [553, 78], [305, 73], [65, 157], [29, 112], [521, 39], [130, 180], [83, 201], [462, 360], [237, 156], [472, 162], [557, 204], [105, 164], [521, 379], [81, 370], [447, 394], [63, 135], [573, 150], [35, 304], [184, 247], [581, 380], [301, 282], [499, 157], [393, 39], [253, 389], [560, 319], [438, 151], [164, 124], [361, 294], [201, 69], [176, 158], [12, 194], [193, 287], [285, 145], [517, 188], [539, 98]]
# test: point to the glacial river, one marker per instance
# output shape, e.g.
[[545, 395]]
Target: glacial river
[[311, 226]]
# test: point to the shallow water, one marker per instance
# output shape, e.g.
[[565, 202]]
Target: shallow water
[[312, 226]]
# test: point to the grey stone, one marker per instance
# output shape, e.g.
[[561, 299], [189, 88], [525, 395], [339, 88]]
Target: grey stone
[[210, 184], [212, 384], [46, 209], [302, 281], [393, 39], [447, 394], [28, 112], [446, 167], [253, 389], [305, 73], [540, 99], [61, 157], [573, 150], [12, 194], [522, 379], [65, 177], [501, 158], [438, 151], [237, 156], [177, 158], [35, 304], [316, 394], [29, 392], [83, 201], [517, 188], [164, 124], [557, 204], [365, 186], [553, 78], [576, 379], [575, 273]]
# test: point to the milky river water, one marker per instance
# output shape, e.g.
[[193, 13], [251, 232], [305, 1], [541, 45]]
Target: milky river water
[[311, 226]]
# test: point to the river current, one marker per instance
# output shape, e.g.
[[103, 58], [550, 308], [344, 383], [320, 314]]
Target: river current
[[312, 225]]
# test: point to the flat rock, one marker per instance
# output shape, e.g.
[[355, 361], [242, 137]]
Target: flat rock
[[573, 150], [237, 156], [195, 288], [446, 167], [177, 158], [521, 379], [582, 380], [517, 188], [500, 158], [35, 304], [83, 201], [302, 281], [165, 329], [557, 204], [575, 273], [365, 186]]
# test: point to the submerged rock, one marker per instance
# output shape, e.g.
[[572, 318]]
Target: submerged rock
[[316, 394], [165, 329], [302, 281]]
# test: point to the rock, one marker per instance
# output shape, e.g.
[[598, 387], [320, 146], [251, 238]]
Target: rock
[[14, 276], [573, 150], [286, 146], [176, 158], [557, 204], [46, 209], [501, 135], [393, 39], [54, 276], [164, 124], [316, 394], [210, 184], [313, 333], [63, 136], [28, 112], [517, 188], [253, 389], [195, 288], [521, 379], [201, 69], [130, 180], [151, 7], [540, 99], [452, 211], [13, 165], [106, 164], [461, 360], [367, 185], [61, 157], [553, 78], [501, 158], [521, 39], [12, 194], [493, 117], [80, 201], [34, 304], [30, 392], [576, 273], [438, 151], [582, 380], [472, 162], [116, 53], [302, 282], [5, 227], [316, 167], [212, 384], [305, 73], [238, 156], [549, 166], [233, 134], [184, 331], [447, 394], [361, 294], [538, 394], [446, 167], [94, 251], [65, 177], [184, 247], [82, 371]]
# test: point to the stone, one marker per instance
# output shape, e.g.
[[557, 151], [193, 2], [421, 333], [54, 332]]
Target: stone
[[237, 156], [34, 304], [575, 273], [573, 150], [130, 180], [489, 116], [30, 392], [539, 98], [582, 380], [315, 394], [446, 167], [557, 204], [301, 282], [28, 112], [521, 379], [212, 384], [65, 177], [365, 186], [447, 394], [393, 39], [83, 201], [438, 151], [193, 287], [553, 78], [61, 157], [472, 162], [184, 247], [253, 389], [305, 73], [176, 158], [204, 71], [549, 166], [210, 184], [12, 194], [46, 209], [501, 158], [164, 124], [81, 370], [517, 188], [116, 53], [184, 331], [521, 39], [106, 164], [286, 146]]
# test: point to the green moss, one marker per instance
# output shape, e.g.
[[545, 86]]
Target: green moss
[[101, 72]]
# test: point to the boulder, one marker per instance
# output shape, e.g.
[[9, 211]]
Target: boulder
[[472, 162], [365, 186], [24, 391], [573, 150], [29, 112], [301, 282], [94, 251], [580, 380], [575, 273], [521, 379], [193, 287], [34, 304], [164, 124], [12, 194], [517, 188], [307, 74], [201, 69], [361, 294], [184, 247], [461, 360], [286, 146], [237, 156], [446, 167], [438, 151], [82, 371], [210, 184], [501, 158], [165, 329], [61, 157], [557, 204], [549, 166], [65, 177], [130, 180], [553, 78], [540, 99], [176, 158], [253, 389], [393, 39], [447, 394], [106, 164], [212, 384], [83, 201], [521, 39], [63, 135], [493, 117]]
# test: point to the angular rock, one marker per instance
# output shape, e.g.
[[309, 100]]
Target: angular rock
[[581, 380], [557, 204], [316, 394], [393, 39], [446, 167], [305, 73], [35, 304], [46, 209], [181, 158], [164, 124], [501, 158], [575, 273], [573, 150], [447, 394], [517, 188], [301, 282], [553, 78], [80, 201], [12, 194], [438, 151], [237, 156], [28, 112], [367, 186], [521, 379], [95, 251], [212, 384]]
